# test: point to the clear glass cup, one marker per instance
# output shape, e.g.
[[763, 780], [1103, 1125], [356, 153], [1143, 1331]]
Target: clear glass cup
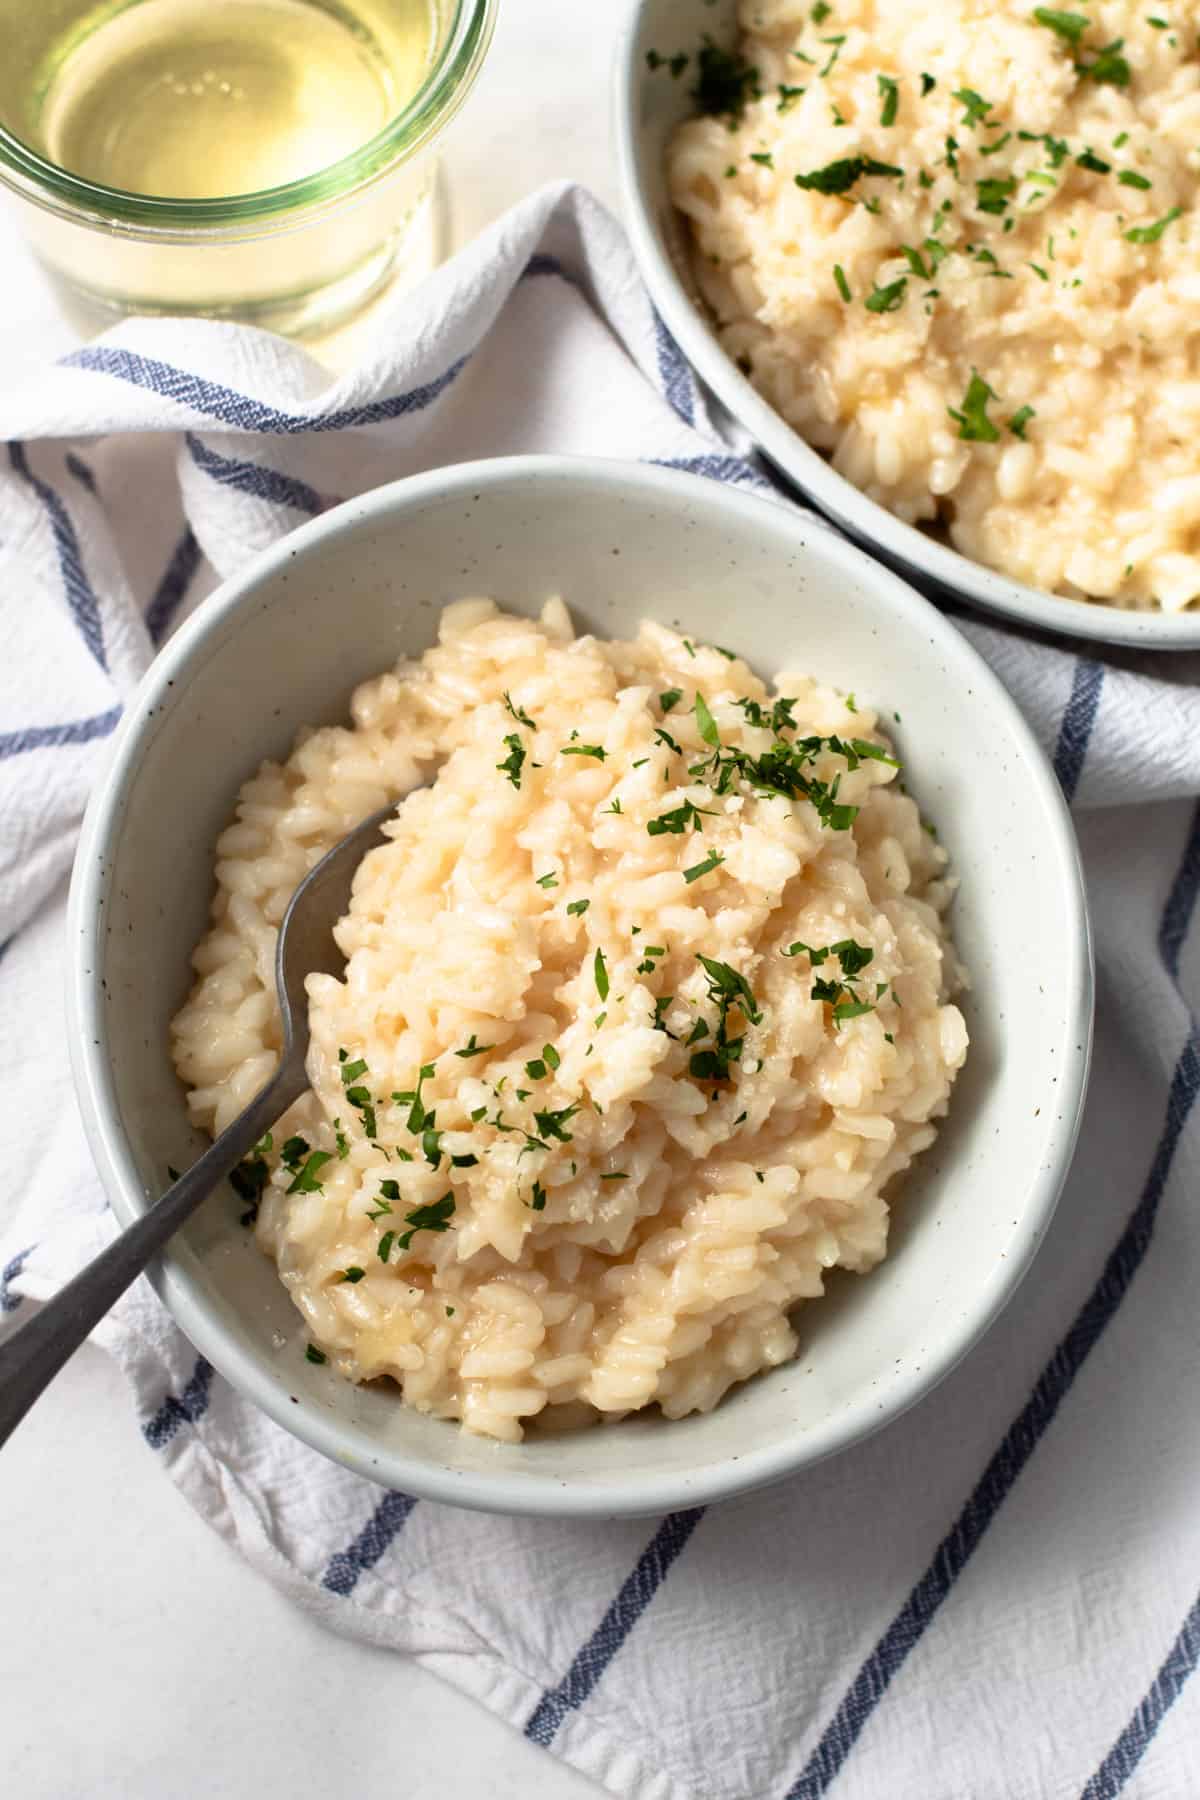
[[297, 258]]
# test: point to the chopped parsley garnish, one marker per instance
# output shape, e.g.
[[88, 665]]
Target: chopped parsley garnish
[[435, 1217], [618, 1175], [518, 713], [538, 1200], [553, 1124], [473, 1047], [649, 953], [615, 807], [1020, 420], [678, 820], [705, 723], [763, 157], [1150, 234], [431, 1144], [1068, 25], [993, 194], [788, 97], [352, 1274], [313, 1355], [726, 82], [916, 262], [384, 1248], [419, 1116], [712, 861], [839, 177], [660, 1012], [547, 881], [577, 907], [975, 107], [670, 699], [843, 286], [600, 971], [1109, 67], [341, 1140], [973, 422], [250, 1177], [927, 85], [889, 93], [595, 750], [514, 761], [664, 737], [887, 299], [728, 987], [305, 1181], [293, 1152], [996, 144], [1089, 160], [778, 720], [674, 64], [550, 1056], [1131, 178]]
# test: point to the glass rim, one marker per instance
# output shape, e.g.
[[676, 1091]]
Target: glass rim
[[48, 185]]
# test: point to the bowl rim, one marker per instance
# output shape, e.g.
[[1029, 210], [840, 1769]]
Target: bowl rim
[[508, 1491], [876, 529]]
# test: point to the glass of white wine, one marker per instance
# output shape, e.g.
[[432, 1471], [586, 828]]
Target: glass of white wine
[[261, 160]]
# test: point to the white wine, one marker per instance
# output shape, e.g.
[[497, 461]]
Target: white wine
[[197, 99]]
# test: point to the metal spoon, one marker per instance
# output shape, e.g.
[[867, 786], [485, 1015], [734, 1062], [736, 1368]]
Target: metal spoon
[[31, 1358]]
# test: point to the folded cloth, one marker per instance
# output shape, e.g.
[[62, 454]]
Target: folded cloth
[[995, 1597]]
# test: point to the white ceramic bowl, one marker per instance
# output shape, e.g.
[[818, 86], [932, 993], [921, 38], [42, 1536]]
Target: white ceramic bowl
[[283, 645], [648, 104]]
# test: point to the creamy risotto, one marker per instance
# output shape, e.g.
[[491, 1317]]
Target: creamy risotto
[[954, 245], [646, 1001]]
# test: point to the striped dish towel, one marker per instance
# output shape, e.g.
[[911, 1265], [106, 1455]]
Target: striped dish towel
[[995, 1598]]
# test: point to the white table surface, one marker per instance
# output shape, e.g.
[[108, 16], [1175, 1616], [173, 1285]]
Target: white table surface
[[140, 1659]]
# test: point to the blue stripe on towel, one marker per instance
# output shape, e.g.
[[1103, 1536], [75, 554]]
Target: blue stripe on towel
[[190, 1407], [172, 588], [1161, 1696], [635, 1596], [379, 1531], [49, 737], [85, 608], [1026, 1431], [9, 1301], [1078, 719], [253, 479], [735, 471], [81, 471], [241, 411], [675, 373]]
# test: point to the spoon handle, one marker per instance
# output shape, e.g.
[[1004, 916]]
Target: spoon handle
[[33, 1356]]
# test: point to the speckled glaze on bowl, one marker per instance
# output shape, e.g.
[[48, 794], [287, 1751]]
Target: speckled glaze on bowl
[[647, 106], [284, 644]]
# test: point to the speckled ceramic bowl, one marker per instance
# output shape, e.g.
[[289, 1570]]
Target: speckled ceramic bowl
[[284, 644], [647, 107]]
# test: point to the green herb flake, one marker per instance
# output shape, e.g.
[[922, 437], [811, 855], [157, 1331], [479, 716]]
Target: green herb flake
[[595, 750], [600, 972], [578, 907], [1068, 25], [514, 761], [726, 82], [352, 1274], [843, 286], [1109, 68], [712, 861], [705, 723], [313, 1355], [618, 1175], [518, 712], [889, 93], [1131, 178], [1089, 160], [1150, 234], [473, 1047], [670, 699], [788, 97], [887, 299], [1020, 420], [974, 426], [975, 107], [993, 194], [305, 1180], [763, 158], [839, 177], [537, 1201], [548, 881], [435, 1217], [927, 85]]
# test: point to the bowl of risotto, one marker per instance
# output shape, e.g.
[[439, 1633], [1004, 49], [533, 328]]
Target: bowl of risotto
[[941, 263], [715, 1016]]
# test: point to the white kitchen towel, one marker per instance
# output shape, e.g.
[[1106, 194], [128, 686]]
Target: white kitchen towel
[[994, 1598]]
